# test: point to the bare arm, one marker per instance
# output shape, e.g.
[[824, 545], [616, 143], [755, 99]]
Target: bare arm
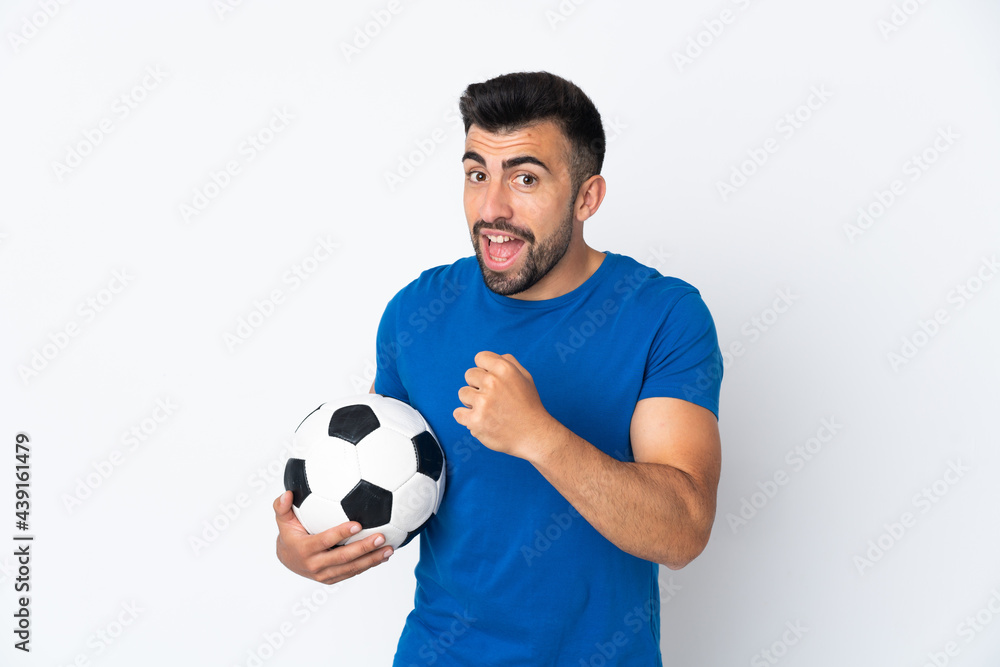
[[662, 506]]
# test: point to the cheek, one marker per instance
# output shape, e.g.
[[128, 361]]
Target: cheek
[[470, 202], [543, 210]]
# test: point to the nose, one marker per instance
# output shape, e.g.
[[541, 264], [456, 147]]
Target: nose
[[495, 203]]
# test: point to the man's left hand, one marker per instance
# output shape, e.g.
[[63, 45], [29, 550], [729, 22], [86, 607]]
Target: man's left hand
[[503, 410]]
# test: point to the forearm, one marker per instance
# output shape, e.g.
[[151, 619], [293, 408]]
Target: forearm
[[650, 510]]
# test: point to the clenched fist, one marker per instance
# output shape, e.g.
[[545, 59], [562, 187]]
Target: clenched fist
[[502, 408]]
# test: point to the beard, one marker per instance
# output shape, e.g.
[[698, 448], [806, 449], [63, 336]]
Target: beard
[[538, 258]]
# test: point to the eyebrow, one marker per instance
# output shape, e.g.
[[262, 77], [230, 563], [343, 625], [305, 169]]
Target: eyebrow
[[508, 163]]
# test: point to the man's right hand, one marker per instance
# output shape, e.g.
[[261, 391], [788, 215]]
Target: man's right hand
[[312, 556]]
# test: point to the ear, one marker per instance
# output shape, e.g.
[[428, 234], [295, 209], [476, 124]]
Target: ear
[[590, 196]]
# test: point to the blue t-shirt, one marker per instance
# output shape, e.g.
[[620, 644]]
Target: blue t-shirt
[[509, 572]]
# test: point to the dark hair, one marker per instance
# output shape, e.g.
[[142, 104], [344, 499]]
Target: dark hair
[[513, 101]]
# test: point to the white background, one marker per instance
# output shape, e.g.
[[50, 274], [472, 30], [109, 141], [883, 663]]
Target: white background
[[677, 130]]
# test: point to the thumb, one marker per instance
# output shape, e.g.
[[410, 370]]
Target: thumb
[[283, 509]]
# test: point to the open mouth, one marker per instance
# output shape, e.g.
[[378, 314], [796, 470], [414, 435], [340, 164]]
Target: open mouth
[[500, 250]]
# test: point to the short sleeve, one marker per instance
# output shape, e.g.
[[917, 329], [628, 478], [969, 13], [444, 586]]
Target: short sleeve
[[684, 359], [387, 350]]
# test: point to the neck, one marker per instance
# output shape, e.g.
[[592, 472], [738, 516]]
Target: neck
[[579, 263]]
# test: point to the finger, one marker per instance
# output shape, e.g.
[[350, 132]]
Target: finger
[[517, 364], [332, 536], [486, 359], [474, 377], [467, 395], [461, 415], [344, 555], [352, 568]]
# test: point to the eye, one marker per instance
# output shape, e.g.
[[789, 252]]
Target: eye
[[475, 176], [527, 179]]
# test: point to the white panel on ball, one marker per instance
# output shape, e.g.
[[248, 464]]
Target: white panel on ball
[[401, 417], [414, 502], [318, 513], [332, 467], [387, 458]]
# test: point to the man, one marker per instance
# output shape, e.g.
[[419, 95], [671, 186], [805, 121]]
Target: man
[[575, 393]]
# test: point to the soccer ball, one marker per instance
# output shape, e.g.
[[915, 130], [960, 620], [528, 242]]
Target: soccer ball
[[367, 458]]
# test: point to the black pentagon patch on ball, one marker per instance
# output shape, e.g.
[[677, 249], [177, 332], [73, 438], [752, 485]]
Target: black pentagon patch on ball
[[352, 423], [296, 482], [369, 505], [430, 458]]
